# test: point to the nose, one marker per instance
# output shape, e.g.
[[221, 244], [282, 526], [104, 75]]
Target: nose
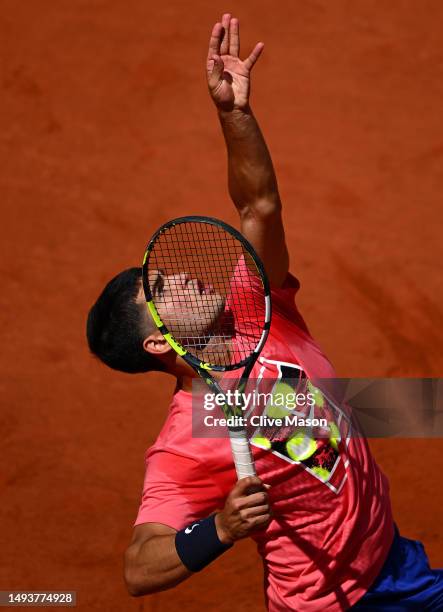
[[179, 281]]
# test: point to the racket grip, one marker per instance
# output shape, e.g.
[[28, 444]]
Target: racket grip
[[241, 451]]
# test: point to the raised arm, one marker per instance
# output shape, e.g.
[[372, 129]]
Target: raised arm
[[251, 177]]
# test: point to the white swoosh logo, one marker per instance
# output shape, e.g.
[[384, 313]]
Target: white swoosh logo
[[188, 530]]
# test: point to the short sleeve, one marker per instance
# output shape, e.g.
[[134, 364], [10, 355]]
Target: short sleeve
[[245, 295], [177, 490], [283, 302], [245, 285]]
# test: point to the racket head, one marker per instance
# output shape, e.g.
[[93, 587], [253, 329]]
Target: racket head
[[207, 292]]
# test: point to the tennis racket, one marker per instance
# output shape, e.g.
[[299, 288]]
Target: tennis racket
[[207, 292]]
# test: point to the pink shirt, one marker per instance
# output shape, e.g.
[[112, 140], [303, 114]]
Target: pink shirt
[[330, 535]]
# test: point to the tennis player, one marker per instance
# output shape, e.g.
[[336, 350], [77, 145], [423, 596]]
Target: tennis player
[[323, 526]]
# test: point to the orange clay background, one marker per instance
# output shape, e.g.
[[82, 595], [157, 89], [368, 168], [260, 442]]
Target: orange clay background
[[106, 132]]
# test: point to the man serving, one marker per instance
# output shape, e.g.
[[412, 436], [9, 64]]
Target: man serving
[[322, 521]]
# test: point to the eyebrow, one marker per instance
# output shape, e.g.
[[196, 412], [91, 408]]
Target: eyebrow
[[159, 277]]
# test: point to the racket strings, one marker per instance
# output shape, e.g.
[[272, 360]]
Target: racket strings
[[208, 291]]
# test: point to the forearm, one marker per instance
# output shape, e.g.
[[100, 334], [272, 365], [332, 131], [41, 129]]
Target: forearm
[[154, 566], [251, 177]]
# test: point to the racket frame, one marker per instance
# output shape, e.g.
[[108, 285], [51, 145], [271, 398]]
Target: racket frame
[[239, 441]]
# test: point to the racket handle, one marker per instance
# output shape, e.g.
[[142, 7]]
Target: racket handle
[[241, 451]]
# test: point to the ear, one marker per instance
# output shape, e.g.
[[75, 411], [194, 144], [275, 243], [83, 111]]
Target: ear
[[156, 344]]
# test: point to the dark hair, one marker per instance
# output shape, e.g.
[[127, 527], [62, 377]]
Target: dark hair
[[116, 326]]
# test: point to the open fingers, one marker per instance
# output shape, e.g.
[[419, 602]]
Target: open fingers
[[234, 38], [214, 41], [215, 71], [226, 20], [253, 57]]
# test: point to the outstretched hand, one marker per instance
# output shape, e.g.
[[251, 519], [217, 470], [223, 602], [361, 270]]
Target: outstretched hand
[[229, 76]]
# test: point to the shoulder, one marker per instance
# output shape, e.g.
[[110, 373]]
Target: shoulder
[[284, 309]]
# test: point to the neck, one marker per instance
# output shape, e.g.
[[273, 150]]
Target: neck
[[185, 383], [185, 375]]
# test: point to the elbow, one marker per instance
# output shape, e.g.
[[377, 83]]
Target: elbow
[[133, 589], [263, 208], [137, 587], [133, 585], [136, 584]]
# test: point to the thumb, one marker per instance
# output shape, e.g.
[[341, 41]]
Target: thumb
[[215, 67]]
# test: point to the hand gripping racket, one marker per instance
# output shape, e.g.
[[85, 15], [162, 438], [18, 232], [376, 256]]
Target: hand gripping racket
[[208, 294]]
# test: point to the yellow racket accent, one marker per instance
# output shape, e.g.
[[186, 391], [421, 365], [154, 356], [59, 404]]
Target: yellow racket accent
[[205, 366], [154, 314], [175, 345]]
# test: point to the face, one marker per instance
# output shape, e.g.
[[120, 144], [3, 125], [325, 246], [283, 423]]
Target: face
[[187, 306]]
